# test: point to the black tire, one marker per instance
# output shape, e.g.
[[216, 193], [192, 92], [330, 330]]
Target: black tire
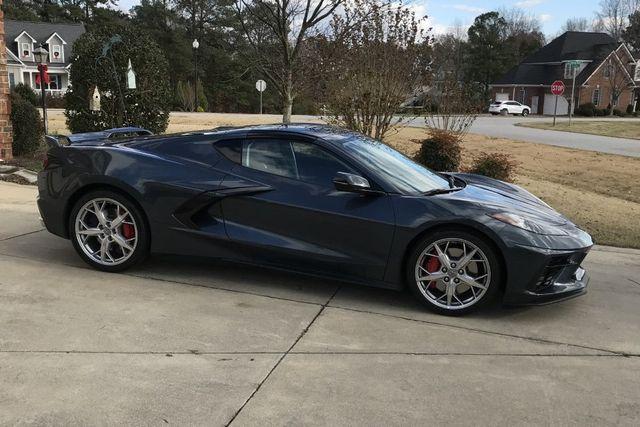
[[504, 112], [141, 249], [494, 114], [525, 112], [496, 269]]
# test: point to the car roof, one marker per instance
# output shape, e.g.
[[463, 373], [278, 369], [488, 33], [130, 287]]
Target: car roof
[[311, 130]]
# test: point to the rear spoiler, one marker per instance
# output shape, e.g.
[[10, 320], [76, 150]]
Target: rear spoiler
[[54, 141]]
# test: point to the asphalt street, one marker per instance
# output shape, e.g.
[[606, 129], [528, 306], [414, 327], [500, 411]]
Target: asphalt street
[[506, 127], [200, 342]]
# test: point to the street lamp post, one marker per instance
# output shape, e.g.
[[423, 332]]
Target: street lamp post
[[40, 55], [195, 45]]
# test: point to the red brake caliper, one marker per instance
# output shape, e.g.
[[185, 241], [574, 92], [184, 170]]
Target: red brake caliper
[[433, 265], [128, 231]]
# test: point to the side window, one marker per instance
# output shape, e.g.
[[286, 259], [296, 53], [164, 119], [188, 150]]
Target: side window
[[271, 156], [316, 165], [303, 161], [231, 149]]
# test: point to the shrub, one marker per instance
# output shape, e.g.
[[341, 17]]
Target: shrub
[[441, 151], [587, 110], [27, 126], [618, 112], [55, 101], [630, 109], [600, 112], [494, 165], [26, 93], [93, 65]]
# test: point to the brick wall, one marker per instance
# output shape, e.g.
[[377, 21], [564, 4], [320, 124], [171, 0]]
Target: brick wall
[[5, 105], [599, 81]]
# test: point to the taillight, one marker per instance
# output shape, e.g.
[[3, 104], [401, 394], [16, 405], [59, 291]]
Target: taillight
[[45, 162]]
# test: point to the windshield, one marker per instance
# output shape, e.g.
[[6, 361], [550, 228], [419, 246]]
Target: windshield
[[404, 174]]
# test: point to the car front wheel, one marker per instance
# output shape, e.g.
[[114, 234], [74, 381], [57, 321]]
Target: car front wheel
[[525, 112], [108, 231], [454, 272]]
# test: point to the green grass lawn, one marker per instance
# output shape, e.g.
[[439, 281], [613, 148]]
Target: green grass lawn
[[618, 129]]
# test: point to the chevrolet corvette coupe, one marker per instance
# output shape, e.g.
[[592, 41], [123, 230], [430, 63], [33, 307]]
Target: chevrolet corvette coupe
[[313, 199]]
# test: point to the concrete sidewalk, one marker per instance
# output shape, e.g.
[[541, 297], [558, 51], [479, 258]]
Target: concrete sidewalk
[[200, 342]]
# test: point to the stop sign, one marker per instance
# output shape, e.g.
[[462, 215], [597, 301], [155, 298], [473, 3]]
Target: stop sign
[[557, 87]]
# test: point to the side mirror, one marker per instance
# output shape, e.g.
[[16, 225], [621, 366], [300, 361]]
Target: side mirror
[[352, 183]]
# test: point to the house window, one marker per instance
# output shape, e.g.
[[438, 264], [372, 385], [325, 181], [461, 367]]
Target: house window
[[54, 81], [25, 52], [56, 53], [12, 80], [567, 70], [596, 97], [636, 74], [607, 70]]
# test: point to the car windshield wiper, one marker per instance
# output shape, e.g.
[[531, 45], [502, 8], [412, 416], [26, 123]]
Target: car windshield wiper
[[441, 191]]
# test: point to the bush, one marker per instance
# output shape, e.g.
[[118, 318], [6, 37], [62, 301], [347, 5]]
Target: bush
[[630, 109], [55, 101], [146, 106], [26, 93], [440, 152], [494, 165], [587, 110], [27, 126], [618, 112], [600, 112]]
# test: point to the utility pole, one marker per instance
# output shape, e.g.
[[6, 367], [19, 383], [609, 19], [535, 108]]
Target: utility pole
[[573, 65]]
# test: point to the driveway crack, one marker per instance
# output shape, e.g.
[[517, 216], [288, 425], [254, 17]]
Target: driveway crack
[[302, 334]]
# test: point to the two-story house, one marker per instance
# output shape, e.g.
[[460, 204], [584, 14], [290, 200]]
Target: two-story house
[[606, 73], [22, 37]]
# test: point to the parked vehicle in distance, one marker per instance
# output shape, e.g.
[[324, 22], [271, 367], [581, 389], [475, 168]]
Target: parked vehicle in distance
[[314, 199], [509, 107]]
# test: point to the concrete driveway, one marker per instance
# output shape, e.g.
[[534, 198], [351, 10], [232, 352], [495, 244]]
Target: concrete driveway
[[179, 341], [505, 127]]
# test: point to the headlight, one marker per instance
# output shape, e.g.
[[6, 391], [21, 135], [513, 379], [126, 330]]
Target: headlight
[[528, 224]]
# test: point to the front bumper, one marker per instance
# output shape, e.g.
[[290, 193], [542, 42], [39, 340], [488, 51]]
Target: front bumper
[[545, 276]]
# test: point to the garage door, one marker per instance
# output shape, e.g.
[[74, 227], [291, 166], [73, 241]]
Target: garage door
[[550, 102]]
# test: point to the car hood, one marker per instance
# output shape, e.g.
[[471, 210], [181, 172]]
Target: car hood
[[500, 196]]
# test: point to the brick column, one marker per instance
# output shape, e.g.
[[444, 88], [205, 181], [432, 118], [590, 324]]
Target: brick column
[[5, 105]]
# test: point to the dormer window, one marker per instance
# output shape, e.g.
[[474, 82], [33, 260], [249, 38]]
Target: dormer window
[[56, 53], [607, 70], [25, 50]]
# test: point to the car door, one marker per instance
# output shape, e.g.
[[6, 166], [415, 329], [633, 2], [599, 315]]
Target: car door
[[295, 217], [515, 107]]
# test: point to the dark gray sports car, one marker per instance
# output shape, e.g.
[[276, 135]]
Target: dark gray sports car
[[314, 199]]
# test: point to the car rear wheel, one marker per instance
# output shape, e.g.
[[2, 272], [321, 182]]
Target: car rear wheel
[[108, 231], [504, 111], [454, 272]]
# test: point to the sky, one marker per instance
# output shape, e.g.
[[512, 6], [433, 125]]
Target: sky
[[444, 14]]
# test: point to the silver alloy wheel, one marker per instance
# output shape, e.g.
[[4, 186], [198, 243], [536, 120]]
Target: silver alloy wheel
[[106, 231], [453, 273]]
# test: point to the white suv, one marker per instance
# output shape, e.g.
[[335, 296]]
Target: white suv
[[508, 107]]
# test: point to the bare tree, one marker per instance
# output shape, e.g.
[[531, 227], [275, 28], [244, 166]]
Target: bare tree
[[518, 21], [618, 81], [452, 110], [612, 17], [372, 69], [276, 31], [576, 24]]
